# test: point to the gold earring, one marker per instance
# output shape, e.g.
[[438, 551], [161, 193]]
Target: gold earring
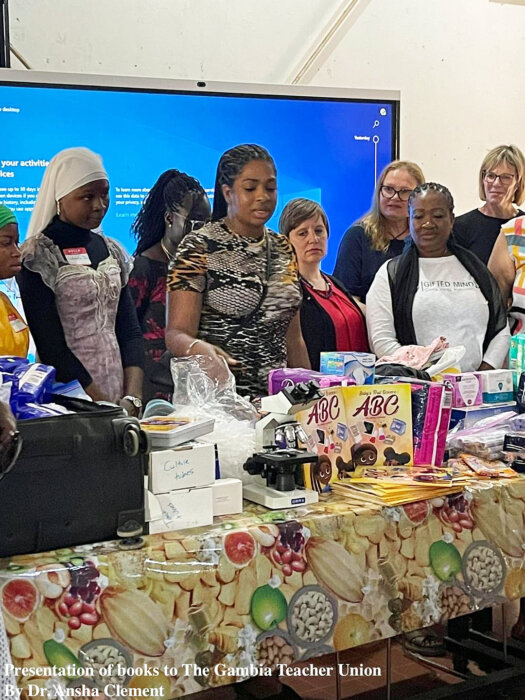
[[58, 208]]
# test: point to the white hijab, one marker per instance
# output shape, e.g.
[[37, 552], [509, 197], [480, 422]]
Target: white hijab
[[68, 170]]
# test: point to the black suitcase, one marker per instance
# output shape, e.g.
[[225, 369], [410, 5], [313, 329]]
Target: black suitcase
[[79, 479]]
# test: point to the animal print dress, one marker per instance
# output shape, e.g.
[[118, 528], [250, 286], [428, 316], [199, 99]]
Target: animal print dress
[[230, 271]]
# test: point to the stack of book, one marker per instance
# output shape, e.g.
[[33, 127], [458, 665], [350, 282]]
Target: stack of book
[[394, 486]]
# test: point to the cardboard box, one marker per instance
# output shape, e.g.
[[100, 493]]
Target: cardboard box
[[359, 366], [470, 416], [187, 466], [498, 385], [466, 389], [184, 508], [227, 496]]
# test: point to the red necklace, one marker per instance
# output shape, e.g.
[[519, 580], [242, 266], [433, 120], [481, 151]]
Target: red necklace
[[324, 293]]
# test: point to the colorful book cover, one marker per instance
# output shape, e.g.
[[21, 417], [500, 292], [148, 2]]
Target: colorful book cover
[[379, 420], [325, 424], [357, 426]]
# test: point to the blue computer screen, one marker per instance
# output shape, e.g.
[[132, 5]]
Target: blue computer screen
[[329, 150]]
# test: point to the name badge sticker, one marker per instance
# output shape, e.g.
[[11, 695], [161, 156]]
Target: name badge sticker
[[77, 256], [16, 323]]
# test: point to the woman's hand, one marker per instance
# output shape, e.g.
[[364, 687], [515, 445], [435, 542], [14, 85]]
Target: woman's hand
[[129, 407], [96, 393], [184, 312], [216, 359], [484, 366]]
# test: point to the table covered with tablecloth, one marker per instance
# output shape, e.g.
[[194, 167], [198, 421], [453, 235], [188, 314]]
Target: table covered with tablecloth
[[258, 591]]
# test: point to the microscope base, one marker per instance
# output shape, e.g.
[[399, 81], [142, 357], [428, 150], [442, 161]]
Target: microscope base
[[275, 500]]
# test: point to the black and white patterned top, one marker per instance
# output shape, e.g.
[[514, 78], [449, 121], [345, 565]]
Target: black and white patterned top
[[229, 270]]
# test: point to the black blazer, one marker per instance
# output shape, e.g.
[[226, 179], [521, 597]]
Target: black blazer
[[317, 326]]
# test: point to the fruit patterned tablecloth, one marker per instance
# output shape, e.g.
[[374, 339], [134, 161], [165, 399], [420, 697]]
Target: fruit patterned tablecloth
[[204, 607]]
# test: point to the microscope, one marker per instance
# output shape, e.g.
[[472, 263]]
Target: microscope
[[279, 463]]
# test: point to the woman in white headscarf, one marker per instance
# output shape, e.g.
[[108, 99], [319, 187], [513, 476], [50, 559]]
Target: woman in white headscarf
[[73, 284]]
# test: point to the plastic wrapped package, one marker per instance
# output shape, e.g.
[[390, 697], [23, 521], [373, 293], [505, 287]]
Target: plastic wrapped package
[[517, 423], [202, 391], [485, 439], [431, 408]]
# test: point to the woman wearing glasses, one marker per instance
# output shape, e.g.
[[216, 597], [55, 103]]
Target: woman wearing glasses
[[176, 205], [501, 187], [234, 293], [380, 234]]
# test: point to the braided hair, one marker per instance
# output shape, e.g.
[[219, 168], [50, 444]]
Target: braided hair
[[166, 195], [229, 168], [432, 187]]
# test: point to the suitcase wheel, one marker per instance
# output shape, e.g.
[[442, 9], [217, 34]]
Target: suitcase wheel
[[131, 440]]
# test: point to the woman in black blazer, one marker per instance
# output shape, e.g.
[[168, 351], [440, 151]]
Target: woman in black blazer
[[330, 318]]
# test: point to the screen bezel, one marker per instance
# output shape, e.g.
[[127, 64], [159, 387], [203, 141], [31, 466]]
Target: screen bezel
[[80, 81]]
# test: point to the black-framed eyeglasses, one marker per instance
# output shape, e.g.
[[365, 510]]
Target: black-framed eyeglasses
[[10, 452], [390, 192], [504, 178]]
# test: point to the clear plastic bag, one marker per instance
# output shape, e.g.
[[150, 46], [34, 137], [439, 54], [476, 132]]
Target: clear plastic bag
[[202, 391], [484, 439], [198, 384]]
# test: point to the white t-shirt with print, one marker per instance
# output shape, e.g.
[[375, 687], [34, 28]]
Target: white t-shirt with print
[[448, 302]]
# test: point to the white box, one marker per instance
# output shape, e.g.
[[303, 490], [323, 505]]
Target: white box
[[227, 496], [186, 466], [184, 508], [498, 385]]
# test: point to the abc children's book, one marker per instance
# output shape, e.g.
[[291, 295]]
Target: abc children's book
[[357, 426]]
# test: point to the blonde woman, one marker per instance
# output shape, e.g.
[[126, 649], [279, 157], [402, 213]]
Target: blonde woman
[[502, 187], [381, 233]]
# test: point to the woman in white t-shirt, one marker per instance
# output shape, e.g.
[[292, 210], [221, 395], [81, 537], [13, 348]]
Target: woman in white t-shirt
[[437, 288]]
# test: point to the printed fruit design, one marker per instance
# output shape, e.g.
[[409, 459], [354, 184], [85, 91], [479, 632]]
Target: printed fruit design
[[337, 570], [20, 598], [160, 683], [455, 512], [77, 605], [499, 524], [416, 513], [515, 584], [445, 560], [351, 631], [288, 548], [135, 620], [397, 606], [266, 534], [239, 548], [268, 607], [59, 655], [52, 580]]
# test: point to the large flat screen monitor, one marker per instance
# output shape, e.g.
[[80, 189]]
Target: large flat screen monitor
[[328, 145]]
